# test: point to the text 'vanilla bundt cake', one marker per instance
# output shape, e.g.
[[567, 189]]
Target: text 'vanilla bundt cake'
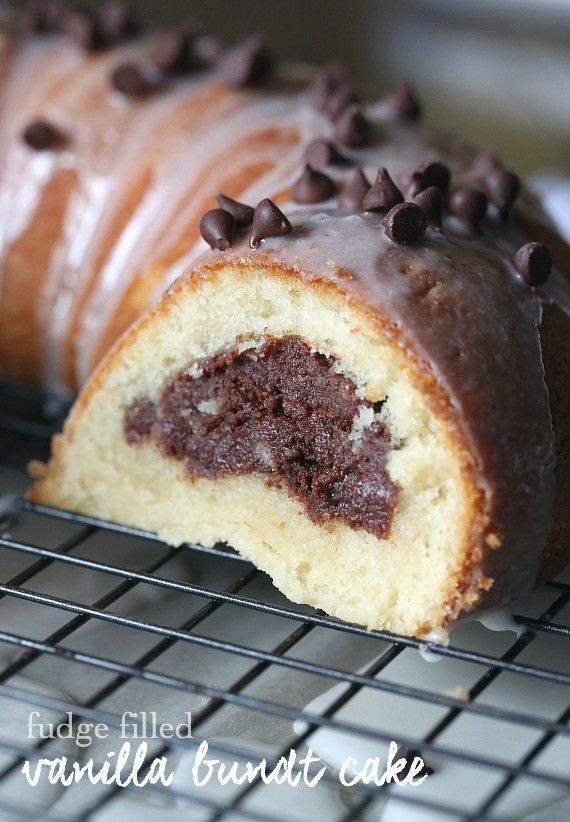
[[350, 386]]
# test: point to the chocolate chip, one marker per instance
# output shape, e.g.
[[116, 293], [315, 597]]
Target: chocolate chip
[[209, 51], [502, 188], [217, 228], [42, 135], [430, 200], [500, 185], [326, 83], [469, 206], [43, 16], [242, 213], [430, 173], [176, 55], [409, 754], [117, 22], [353, 192], [322, 153], [342, 97], [246, 64], [383, 195], [313, 186], [176, 52], [113, 23], [132, 81], [534, 262], [405, 224], [268, 221], [403, 103], [82, 26], [483, 164], [352, 128]]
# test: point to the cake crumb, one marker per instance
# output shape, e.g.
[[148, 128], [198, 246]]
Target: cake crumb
[[458, 692]]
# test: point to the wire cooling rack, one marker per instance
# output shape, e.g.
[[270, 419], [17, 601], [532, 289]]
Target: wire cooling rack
[[98, 619]]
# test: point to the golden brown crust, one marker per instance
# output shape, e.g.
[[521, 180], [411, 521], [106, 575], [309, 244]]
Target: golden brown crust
[[22, 282]]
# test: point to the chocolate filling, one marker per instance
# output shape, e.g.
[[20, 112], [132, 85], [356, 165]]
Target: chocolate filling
[[281, 410]]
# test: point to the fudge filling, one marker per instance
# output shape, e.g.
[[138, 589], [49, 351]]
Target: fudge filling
[[282, 410]]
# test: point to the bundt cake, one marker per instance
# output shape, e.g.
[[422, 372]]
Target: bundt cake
[[349, 386]]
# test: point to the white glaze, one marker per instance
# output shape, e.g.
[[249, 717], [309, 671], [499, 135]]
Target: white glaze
[[190, 147]]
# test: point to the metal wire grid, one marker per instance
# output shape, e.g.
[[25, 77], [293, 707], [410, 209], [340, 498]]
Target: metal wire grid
[[26, 420]]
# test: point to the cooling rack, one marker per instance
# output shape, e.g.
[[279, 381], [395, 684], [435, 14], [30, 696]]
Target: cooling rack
[[98, 619]]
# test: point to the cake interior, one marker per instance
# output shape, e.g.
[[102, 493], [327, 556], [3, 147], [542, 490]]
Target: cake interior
[[399, 570]]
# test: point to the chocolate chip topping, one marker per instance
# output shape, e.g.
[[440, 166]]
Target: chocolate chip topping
[[430, 173], [91, 30], [322, 153], [43, 16], [217, 227], [132, 81], [469, 206], [483, 164], [242, 213], [209, 50], [339, 99], [82, 26], [326, 83], [502, 188], [353, 192], [383, 195], [534, 262], [268, 221], [430, 200], [176, 54], [313, 186], [500, 185], [405, 224], [352, 128], [117, 22], [41, 135], [246, 64], [403, 103]]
